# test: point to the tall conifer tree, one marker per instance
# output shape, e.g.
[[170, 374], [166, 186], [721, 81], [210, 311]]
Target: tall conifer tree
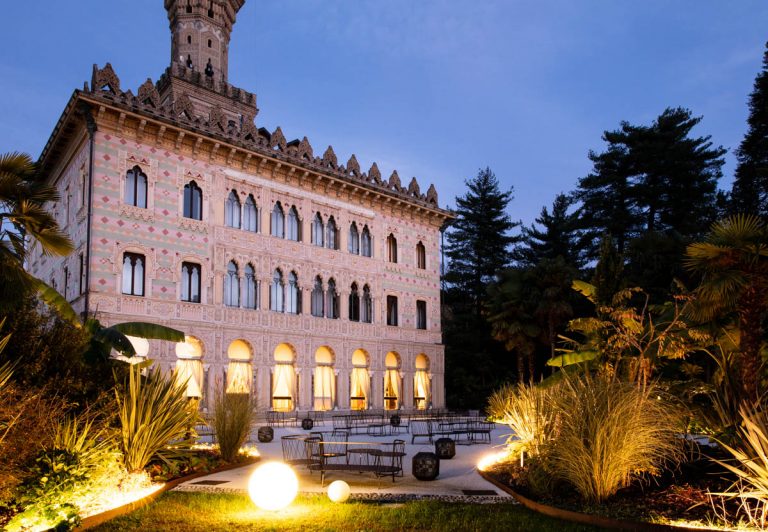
[[559, 236], [749, 194]]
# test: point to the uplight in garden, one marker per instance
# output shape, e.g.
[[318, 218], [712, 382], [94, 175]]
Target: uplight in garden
[[338, 491]]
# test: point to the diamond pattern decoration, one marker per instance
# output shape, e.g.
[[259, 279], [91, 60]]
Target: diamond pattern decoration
[[105, 199], [103, 241], [107, 157], [102, 282], [165, 231], [104, 219], [165, 212], [151, 229], [120, 223]]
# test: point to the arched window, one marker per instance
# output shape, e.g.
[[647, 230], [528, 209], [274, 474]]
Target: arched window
[[392, 384], [232, 210], [324, 380], [354, 304], [239, 370], [193, 201], [293, 301], [251, 215], [317, 230], [332, 303], [317, 298], [391, 248], [366, 308], [133, 274], [421, 256], [250, 296], [421, 314], [231, 286], [278, 221], [135, 188], [392, 310], [421, 384], [284, 378], [366, 246], [276, 292], [190, 282], [354, 239], [332, 240], [359, 381], [292, 231]]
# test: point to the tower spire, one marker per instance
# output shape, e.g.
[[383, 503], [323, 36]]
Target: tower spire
[[200, 33]]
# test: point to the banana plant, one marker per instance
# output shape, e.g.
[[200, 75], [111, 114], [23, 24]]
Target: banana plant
[[104, 339]]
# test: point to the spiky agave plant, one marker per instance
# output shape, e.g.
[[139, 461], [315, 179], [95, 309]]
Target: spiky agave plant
[[153, 411]]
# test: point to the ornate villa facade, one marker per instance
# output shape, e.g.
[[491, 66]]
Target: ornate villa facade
[[297, 278]]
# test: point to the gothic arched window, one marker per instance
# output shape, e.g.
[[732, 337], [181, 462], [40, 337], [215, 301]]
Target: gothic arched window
[[232, 210], [366, 245], [292, 231], [366, 308], [354, 303], [332, 303], [317, 298], [250, 295], [251, 215], [135, 188], [276, 292], [190, 282], [421, 256], [193, 201], [391, 248], [354, 239], [317, 230], [293, 297], [232, 286], [278, 221], [331, 240]]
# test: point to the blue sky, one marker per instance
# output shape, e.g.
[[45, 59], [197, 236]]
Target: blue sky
[[433, 88]]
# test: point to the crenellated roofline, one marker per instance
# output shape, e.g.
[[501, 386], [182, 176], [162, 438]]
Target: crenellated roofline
[[176, 122]]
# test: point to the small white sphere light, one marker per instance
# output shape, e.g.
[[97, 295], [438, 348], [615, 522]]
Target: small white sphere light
[[273, 486], [338, 491]]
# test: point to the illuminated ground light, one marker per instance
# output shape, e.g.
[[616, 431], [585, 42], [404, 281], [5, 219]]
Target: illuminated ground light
[[491, 459], [273, 486], [338, 491]]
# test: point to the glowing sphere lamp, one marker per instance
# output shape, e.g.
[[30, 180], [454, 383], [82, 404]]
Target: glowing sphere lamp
[[338, 491], [273, 486]]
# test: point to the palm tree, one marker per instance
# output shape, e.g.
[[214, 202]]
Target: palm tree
[[104, 339], [733, 264], [23, 195]]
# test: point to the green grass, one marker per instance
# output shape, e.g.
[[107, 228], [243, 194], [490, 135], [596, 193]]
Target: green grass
[[206, 512]]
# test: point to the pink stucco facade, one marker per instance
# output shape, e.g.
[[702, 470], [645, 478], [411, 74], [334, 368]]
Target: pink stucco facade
[[181, 131]]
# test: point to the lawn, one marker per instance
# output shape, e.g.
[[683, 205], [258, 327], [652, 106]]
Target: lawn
[[191, 512]]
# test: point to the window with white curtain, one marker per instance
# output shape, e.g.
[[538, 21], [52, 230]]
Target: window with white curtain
[[190, 282], [331, 240], [292, 231], [133, 274], [135, 188], [360, 388]]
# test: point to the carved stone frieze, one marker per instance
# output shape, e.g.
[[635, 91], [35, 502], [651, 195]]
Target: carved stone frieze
[[136, 213], [193, 225]]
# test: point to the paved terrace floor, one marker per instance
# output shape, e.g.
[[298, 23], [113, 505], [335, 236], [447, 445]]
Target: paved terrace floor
[[456, 475]]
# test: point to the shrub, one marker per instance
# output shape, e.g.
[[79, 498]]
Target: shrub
[[232, 413], [529, 412], [67, 476], [750, 451], [610, 432], [153, 411]]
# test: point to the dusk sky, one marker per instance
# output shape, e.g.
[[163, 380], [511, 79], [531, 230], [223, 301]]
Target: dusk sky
[[434, 89]]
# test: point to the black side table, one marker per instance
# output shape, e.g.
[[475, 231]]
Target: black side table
[[445, 448], [307, 423], [265, 434], [425, 466]]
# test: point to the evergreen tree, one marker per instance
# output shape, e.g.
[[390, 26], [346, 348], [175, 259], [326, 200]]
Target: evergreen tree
[[479, 239], [478, 247], [559, 236], [651, 178], [749, 194]]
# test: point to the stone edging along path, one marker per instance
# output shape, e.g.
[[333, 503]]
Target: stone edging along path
[[587, 519], [97, 519]]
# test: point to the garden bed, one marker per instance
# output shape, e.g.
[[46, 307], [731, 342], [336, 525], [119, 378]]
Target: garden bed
[[680, 498]]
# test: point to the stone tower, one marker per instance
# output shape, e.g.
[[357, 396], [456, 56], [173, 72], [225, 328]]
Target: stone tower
[[200, 31], [196, 80]]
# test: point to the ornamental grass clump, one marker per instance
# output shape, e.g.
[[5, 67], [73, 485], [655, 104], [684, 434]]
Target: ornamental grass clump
[[611, 432], [232, 415], [750, 465], [529, 412], [154, 411]]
